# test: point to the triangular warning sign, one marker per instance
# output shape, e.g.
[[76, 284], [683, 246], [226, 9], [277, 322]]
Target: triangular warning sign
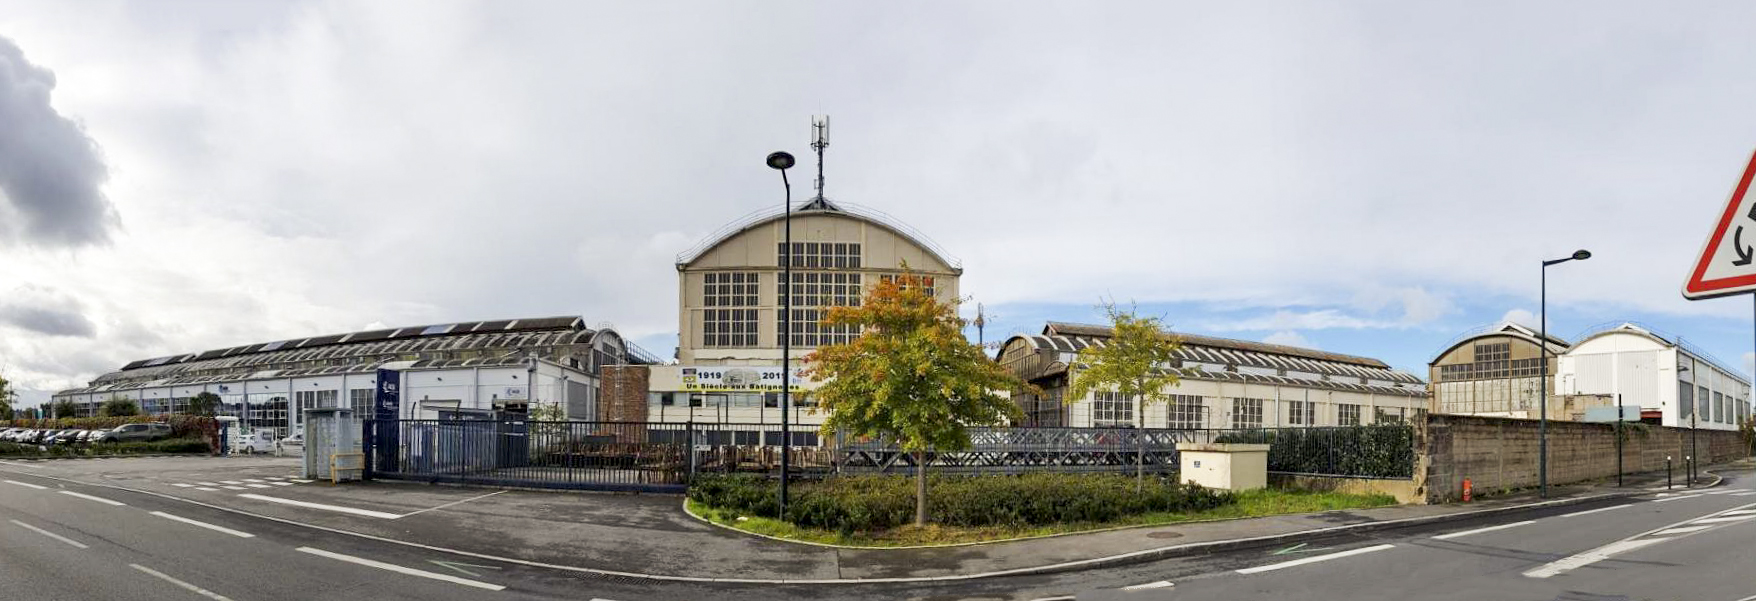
[[1728, 260]]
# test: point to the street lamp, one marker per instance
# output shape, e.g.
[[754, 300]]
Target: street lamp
[[781, 161], [1543, 402]]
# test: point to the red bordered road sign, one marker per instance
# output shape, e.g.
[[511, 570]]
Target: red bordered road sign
[[1728, 261]]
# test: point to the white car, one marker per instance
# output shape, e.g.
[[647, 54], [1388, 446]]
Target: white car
[[291, 444], [260, 441]]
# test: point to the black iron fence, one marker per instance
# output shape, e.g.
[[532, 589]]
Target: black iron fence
[[662, 457]]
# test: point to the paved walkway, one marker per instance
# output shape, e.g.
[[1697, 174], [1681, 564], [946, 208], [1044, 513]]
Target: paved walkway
[[650, 534]]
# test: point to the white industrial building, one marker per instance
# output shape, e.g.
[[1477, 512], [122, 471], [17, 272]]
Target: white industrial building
[[1666, 378], [455, 370]]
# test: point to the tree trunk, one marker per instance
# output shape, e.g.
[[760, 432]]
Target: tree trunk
[[920, 488]]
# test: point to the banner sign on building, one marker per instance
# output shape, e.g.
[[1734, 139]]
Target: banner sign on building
[[388, 402], [739, 379]]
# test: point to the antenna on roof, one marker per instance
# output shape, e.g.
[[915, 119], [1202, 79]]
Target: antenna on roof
[[819, 141]]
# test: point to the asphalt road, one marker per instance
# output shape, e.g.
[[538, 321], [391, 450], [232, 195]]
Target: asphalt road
[[68, 540]]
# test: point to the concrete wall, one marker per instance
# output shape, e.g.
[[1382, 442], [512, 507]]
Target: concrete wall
[[1499, 454]]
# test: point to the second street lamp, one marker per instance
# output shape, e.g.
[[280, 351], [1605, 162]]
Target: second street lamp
[[1543, 402], [781, 161]]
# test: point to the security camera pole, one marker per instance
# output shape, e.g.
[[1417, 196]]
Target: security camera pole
[[783, 161]]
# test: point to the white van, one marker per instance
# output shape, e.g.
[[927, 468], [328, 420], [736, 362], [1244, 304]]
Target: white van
[[259, 441]]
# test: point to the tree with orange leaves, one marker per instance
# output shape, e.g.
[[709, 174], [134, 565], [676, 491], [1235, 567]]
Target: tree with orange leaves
[[910, 376]]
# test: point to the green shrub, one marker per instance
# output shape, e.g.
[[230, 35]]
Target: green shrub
[[1375, 451], [870, 503]]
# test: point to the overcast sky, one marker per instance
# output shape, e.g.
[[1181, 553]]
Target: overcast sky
[[1373, 178]]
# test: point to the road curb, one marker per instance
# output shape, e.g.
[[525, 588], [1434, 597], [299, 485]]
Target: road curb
[[1142, 556]]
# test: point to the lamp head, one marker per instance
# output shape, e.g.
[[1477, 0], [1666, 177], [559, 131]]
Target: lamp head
[[1581, 254], [780, 160]]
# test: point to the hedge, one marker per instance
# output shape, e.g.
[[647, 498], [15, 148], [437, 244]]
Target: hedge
[[1376, 451], [869, 503], [181, 425], [157, 447]]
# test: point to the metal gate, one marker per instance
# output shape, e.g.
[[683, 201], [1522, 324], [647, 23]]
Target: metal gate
[[619, 456]]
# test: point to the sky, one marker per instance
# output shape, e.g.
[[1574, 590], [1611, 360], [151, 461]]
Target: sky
[[1372, 178]]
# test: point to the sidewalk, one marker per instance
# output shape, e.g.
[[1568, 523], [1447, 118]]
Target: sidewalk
[[651, 536]]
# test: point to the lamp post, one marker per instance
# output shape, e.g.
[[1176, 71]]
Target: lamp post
[[1543, 403], [782, 161]]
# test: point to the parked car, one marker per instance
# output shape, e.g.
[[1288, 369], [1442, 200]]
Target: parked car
[[259, 441], [69, 438], [89, 436], [54, 437], [291, 444], [136, 433], [9, 433]]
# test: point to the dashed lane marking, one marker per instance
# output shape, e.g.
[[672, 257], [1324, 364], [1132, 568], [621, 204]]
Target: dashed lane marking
[[234, 488], [231, 482], [1667, 499], [76, 544], [335, 508], [203, 525], [207, 483], [1591, 511], [258, 486], [1300, 562], [402, 570], [1481, 530], [184, 585], [28, 485], [34, 467], [1681, 530], [182, 485], [281, 483], [206, 489], [91, 498], [1149, 586]]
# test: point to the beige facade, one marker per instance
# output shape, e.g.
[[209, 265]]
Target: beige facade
[[1495, 371], [729, 294]]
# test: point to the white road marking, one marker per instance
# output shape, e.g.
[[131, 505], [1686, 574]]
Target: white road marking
[[1061, 598], [301, 481], [234, 488], [1735, 518], [1676, 498], [402, 570], [1481, 530], [251, 480], [1590, 511], [204, 525], [451, 503], [258, 486], [1745, 494], [1741, 511], [232, 482], [335, 508], [182, 485], [186, 586], [207, 483], [76, 544], [34, 467], [1589, 557], [1300, 562], [27, 484], [206, 489], [281, 483], [91, 498], [1148, 586], [1680, 530]]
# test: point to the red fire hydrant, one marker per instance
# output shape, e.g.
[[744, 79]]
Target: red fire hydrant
[[1466, 490]]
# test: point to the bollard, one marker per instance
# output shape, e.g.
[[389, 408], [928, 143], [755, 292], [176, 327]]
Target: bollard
[[1667, 472], [1689, 462]]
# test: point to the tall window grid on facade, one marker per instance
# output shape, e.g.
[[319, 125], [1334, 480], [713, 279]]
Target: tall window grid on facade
[[1246, 413], [360, 400], [729, 327], [813, 291], [1111, 409], [820, 255], [1347, 415], [312, 399], [1703, 395], [1185, 412], [1389, 415]]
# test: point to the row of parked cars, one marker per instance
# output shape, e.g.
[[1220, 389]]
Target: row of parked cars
[[122, 433]]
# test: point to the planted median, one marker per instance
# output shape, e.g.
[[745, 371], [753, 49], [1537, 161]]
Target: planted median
[[878, 511]]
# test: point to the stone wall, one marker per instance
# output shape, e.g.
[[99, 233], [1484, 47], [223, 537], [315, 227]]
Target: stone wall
[[1498, 454], [623, 395]]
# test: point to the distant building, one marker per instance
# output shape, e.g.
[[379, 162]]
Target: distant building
[[1494, 371], [1672, 383], [442, 371], [1228, 384]]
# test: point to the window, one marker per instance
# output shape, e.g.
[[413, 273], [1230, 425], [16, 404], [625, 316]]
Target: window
[[808, 329], [1685, 400], [820, 255], [360, 400], [811, 292], [1389, 415], [1493, 351], [312, 399], [735, 289], [926, 281], [1719, 408], [1111, 409], [1348, 415], [1703, 395], [722, 327], [1246, 413], [1299, 412], [1185, 412]]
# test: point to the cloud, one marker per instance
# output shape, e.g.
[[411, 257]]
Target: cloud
[[46, 311], [1523, 318], [1287, 319], [1289, 338], [50, 171]]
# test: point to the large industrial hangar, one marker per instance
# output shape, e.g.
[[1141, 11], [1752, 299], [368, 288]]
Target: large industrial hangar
[[443, 370]]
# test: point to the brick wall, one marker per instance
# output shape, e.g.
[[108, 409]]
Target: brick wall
[[623, 396], [1501, 453]]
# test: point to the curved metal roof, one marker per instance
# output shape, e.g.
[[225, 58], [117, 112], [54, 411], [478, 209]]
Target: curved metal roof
[[869, 215], [1335, 375]]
